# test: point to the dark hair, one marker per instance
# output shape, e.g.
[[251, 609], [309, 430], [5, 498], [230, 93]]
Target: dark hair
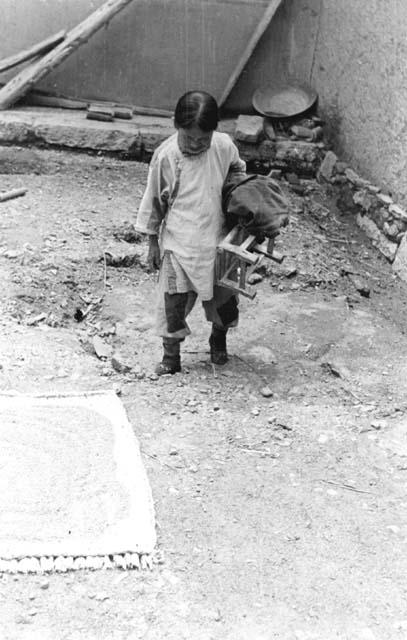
[[196, 108]]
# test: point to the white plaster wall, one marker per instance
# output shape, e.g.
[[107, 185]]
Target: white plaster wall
[[360, 72]]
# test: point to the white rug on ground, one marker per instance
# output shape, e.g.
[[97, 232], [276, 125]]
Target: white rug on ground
[[72, 479]]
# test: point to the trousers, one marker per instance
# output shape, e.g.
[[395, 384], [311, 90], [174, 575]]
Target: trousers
[[173, 309]]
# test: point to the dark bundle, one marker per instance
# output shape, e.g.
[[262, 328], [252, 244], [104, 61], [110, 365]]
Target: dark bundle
[[256, 203]]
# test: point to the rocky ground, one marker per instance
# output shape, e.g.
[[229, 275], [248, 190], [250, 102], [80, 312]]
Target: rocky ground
[[281, 512]]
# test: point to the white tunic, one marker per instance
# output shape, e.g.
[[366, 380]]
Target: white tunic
[[183, 201]]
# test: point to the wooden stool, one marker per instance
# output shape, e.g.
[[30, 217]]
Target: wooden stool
[[238, 256]]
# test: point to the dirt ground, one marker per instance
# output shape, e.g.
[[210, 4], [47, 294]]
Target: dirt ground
[[280, 517]]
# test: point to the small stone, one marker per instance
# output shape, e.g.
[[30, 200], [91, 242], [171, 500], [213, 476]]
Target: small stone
[[216, 407], [393, 528], [341, 167], [266, 392], [174, 452], [360, 285], [327, 166], [217, 616], [102, 349], [391, 230], [119, 364], [289, 268], [270, 133], [254, 278], [101, 597], [153, 376], [303, 132], [249, 129], [400, 261], [44, 585], [363, 199], [353, 177], [383, 197], [384, 245], [11, 254], [397, 212], [255, 412], [378, 424]]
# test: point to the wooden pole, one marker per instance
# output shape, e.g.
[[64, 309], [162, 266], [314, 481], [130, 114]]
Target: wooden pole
[[29, 76], [243, 60], [14, 193], [37, 49]]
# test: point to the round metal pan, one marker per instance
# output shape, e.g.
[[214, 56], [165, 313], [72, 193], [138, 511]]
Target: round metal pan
[[283, 100]]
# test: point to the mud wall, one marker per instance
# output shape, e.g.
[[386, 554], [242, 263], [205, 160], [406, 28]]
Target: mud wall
[[352, 51], [360, 73], [149, 54]]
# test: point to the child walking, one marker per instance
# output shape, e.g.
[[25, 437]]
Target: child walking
[[181, 211]]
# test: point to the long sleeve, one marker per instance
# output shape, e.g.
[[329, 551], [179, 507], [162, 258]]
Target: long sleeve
[[237, 165], [154, 204]]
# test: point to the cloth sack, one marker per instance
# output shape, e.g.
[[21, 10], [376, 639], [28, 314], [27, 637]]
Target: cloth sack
[[255, 202]]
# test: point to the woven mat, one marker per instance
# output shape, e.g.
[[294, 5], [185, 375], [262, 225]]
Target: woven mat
[[74, 490]]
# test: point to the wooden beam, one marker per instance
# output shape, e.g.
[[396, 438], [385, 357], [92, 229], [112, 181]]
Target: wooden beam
[[243, 60], [14, 193], [29, 76], [60, 102], [36, 50]]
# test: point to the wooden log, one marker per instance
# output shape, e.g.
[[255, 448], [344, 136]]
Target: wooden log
[[243, 60], [104, 109], [28, 77], [43, 100], [14, 193], [36, 50], [125, 113], [99, 115], [151, 111], [102, 112]]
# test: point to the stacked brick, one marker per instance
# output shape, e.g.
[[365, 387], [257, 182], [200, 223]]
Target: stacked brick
[[286, 147]]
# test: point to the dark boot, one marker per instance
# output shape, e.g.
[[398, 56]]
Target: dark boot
[[217, 344], [171, 362]]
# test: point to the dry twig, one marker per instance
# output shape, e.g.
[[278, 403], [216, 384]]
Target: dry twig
[[349, 487]]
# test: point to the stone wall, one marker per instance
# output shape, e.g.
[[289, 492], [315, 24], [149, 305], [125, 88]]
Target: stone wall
[[383, 220]]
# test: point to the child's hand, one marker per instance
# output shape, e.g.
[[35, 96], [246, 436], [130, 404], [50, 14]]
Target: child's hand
[[153, 256]]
